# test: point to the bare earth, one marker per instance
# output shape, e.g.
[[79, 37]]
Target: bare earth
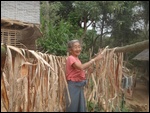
[[140, 99]]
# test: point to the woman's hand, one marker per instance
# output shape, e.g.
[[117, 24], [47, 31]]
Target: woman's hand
[[99, 56]]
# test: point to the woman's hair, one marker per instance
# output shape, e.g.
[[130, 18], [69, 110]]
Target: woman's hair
[[70, 43]]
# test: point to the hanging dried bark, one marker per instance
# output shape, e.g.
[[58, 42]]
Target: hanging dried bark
[[38, 83]]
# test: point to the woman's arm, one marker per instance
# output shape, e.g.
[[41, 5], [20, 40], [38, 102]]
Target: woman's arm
[[87, 64], [79, 66]]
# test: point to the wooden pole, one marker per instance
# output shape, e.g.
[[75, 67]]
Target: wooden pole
[[139, 46]]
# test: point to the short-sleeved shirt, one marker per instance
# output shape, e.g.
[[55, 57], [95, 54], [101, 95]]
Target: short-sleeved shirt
[[72, 73]]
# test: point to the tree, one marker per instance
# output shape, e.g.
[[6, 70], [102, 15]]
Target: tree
[[56, 31], [84, 12], [145, 14], [103, 23], [122, 22], [65, 9]]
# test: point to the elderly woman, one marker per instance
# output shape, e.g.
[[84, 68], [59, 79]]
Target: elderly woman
[[75, 75]]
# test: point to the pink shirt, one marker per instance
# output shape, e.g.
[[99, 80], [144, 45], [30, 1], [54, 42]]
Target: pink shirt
[[72, 73]]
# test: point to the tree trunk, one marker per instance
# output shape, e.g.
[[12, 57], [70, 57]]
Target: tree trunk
[[133, 47]]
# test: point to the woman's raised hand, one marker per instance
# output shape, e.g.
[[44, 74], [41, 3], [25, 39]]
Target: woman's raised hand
[[101, 55]]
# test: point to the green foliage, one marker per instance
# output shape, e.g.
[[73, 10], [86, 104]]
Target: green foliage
[[86, 8], [84, 57], [48, 12], [90, 43], [65, 9], [123, 21], [56, 31], [145, 13], [92, 107], [125, 109], [61, 21], [55, 40]]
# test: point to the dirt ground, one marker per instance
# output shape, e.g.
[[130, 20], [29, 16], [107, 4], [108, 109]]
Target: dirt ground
[[138, 102]]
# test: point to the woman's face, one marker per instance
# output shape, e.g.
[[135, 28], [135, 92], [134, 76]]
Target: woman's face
[[76, 49]]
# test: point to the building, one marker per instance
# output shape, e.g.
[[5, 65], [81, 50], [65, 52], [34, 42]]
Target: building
[[20, 23], [144, 57]]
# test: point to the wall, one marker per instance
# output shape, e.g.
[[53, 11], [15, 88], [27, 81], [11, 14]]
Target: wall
[[26, 11]]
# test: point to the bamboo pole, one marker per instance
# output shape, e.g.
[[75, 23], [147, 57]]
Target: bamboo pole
[[138, 46]]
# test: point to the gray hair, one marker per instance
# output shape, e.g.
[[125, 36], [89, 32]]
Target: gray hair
[[70, 43]]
